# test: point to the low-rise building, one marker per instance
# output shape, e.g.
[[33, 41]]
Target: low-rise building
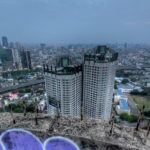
[[126, 88], [119, 79], [119, 95], [122, 107]]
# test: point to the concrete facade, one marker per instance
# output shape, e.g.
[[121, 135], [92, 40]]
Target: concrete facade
[[67, 90], [98, 89]]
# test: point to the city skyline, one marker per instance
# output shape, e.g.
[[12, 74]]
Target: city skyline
[[74, 74], [64, 22]]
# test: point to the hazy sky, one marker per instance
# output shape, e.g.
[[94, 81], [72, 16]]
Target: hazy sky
[[75, 21]]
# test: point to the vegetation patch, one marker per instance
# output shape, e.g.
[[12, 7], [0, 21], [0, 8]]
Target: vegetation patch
[[129, 118], [141, 101]]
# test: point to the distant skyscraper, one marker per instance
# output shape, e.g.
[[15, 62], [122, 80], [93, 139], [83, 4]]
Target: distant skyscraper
[[42, 46], [18, 46], [4, 42], [1, 65], [11, 45], [64, 86], [25, 59], [98, 82], [6, 57], [16, 59], [28, 56], [125, 46]]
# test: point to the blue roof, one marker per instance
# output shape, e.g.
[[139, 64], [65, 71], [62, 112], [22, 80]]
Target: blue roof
[[124, 104], [29, 75], [119, 92], [128, 87]]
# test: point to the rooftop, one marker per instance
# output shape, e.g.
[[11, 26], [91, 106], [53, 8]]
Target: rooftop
[[119, 92], [124, 104], [91, 134], [102, 54], [64, 66], [127, 87]]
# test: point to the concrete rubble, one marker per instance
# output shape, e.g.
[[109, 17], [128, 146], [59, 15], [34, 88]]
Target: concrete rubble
[[89, 134]]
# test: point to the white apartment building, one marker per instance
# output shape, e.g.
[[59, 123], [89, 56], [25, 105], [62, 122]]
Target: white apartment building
[[98, 82], [64, 85]]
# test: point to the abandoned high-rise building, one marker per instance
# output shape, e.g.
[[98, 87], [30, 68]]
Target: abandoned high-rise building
[[63, 86], [98, 82], [89, 85]]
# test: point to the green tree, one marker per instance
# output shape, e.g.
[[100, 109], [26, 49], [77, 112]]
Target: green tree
[[125, 81], [115, 85], [135, 92], [129, 118], [27, 90], [145, 92], [133, 79], [30, 108], [21, 90], [122, 73], [124, 116]]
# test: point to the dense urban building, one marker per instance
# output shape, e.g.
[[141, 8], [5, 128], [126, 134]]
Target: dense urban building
[[42, 46], [98, 82], [25, 59], [6, 57], [4, 41], [14, 56], [18, 46], [11, 45], [1, 66], [16, 59]]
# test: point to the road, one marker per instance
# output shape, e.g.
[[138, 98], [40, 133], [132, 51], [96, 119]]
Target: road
[[132, 105], [22, 85], [143, 124]]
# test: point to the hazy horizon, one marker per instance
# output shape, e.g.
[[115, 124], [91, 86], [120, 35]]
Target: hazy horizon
[[75, 21]]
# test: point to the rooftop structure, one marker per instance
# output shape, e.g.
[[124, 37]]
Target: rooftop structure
[[64, 66], [102, 54]]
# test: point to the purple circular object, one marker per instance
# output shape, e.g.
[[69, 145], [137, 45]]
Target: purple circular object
[[1, 147], [18, 139], [60, 143]]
